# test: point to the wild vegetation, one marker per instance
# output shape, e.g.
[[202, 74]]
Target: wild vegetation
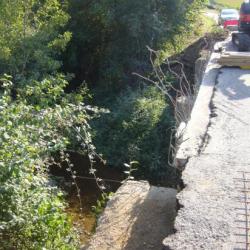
[[50, 50], [109, 39], [137, 128], [35, 124], [118, 36], [228, 3]]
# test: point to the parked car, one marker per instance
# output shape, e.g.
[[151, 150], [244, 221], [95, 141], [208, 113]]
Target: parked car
[[231, 25], [228, 14], [244, 22]]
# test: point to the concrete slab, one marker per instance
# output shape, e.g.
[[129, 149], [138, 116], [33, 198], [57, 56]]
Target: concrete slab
[[138, 217], [193, 136]]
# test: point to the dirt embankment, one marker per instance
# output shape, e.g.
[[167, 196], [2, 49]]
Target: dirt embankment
[[196, 53]]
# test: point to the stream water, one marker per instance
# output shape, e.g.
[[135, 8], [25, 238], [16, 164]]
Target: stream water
[[85, 220]]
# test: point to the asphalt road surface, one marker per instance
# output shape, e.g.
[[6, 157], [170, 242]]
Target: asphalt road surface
[[216, 199]]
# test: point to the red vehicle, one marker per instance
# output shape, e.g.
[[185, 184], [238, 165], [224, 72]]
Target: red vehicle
[[231, 24]]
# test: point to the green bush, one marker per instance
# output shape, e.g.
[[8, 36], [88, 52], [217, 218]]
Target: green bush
[[39, 122], [137, 128]]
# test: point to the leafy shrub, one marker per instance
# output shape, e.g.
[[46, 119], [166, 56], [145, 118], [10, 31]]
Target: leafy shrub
[[33, 126], [32, 37], [101, 203], [136, 129]]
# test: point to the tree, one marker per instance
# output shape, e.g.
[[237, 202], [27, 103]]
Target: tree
[[32, 37], [110, 37]]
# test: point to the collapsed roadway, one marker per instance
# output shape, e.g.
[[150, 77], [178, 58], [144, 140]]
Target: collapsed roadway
[[215, 203]]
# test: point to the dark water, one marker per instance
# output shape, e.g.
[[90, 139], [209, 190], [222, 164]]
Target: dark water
[[85, 220]]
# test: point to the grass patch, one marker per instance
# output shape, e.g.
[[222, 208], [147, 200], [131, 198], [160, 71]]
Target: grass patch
[[203, 26], [207, 25], [228, 3]]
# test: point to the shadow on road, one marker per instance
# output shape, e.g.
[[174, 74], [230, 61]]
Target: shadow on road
[[235, 85]]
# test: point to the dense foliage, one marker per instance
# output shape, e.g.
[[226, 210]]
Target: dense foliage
[[137, 128], [31, 37], [110, 37], [38, 119], [110, 42], [39, 122]]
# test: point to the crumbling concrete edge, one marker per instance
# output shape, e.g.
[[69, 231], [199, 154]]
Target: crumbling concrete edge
[[196, 129]]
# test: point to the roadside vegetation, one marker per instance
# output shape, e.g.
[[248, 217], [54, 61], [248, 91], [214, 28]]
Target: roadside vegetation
[[235, 4], [200, 27], [60, 60]]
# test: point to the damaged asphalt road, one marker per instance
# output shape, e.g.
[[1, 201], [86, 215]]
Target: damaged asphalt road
[[214, 213]]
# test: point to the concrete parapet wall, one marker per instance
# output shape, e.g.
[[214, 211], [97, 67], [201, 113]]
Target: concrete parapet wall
[[196, 127]]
